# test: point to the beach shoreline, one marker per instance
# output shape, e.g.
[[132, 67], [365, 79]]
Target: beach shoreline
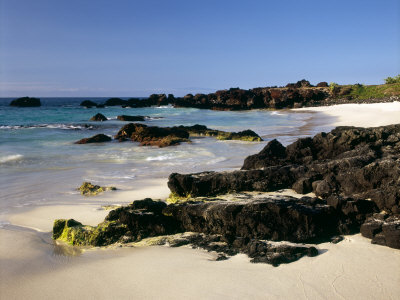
[[122, 273]]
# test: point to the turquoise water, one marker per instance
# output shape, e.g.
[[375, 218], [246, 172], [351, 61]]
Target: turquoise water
[[39, 162]]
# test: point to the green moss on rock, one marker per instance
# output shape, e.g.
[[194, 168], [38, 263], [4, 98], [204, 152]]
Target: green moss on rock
[[74, 233], [88, 189]]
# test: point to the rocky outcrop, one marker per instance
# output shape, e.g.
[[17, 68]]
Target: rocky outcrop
[[88, 189], [238, 227], [383, 229], [88, 104], [322, 164], [115, 102], [98, 117], [131, 118], [322, 84], [167, 136], [98, 138], [152, 135], [26, 102]]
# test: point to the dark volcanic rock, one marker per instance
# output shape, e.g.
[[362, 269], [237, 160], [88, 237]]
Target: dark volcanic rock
[[98, 138], [322, 84], [202, 130], [88, 103], [166, 136], [227, 228], [323, 164], [115, 102], [131, 118], [383, 230], [290, 219], [98, 117], [355, 169], [26, 102], [152, 135]]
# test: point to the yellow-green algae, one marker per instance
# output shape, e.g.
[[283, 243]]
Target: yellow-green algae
[[88, 189], [74, 233], [174, 198]]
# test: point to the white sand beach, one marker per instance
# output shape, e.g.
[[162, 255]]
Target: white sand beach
[[361, 115], [32, 267]]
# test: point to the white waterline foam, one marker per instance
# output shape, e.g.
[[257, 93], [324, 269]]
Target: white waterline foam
[[12, 157]]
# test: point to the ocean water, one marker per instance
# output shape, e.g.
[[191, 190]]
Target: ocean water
[[40, 164]]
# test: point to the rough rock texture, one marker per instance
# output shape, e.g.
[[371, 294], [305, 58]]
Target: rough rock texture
[[98, 117], [201, 130], [322, 164], [167, 136], [88, 189], [26, 102], [356, 170], [383, 230], [98, 138], [231, 227], [131, 118], [152, 135]]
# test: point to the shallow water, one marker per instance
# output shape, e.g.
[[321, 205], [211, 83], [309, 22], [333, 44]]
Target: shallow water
[[40, 164]]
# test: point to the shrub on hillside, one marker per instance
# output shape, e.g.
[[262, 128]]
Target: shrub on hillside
[[391, 80]]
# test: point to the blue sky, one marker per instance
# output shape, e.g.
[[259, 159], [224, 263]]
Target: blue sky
[[136, 48]]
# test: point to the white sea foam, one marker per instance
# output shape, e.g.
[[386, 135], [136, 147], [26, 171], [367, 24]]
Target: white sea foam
[[275, 113], [8, 158], [160, 157], [51, 126]]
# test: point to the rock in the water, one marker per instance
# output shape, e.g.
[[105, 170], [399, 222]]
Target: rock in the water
[[152, 135], [26, 102], [88, 103], [98, 117], [131, 118], [88, 189], [98, 138], [115, 102], [201, 130]]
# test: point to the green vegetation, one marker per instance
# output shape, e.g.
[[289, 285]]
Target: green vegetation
[[391, 80], [359, 91], [364, 92], [333, 85]]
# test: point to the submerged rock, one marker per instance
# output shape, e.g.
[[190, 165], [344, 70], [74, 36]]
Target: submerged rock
[[26, 102], [98, 138], [98, 117], [88, 189], [131, 118]]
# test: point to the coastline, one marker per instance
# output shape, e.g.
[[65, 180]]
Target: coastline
[[126, 272]]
